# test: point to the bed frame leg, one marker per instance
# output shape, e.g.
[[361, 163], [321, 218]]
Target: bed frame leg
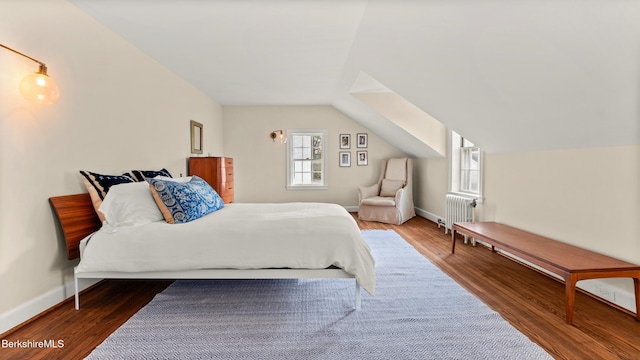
[[358, 299], [75, 283]]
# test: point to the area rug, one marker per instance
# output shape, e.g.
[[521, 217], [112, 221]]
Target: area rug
[[418, 313]]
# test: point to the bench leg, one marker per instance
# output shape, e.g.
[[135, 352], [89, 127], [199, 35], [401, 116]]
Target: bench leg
[[636, 285], [570, 295], [75, 284], [453, 241]]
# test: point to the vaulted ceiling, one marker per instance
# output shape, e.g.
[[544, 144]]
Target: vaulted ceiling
[[510, 75]]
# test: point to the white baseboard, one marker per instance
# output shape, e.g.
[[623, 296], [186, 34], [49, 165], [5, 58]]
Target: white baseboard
[[35, 306], [621, 297], [429, 216]]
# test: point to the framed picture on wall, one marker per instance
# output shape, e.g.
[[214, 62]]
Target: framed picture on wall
[[345, 158], [363, 158], [362, 139], [345, 141], [196, 137]]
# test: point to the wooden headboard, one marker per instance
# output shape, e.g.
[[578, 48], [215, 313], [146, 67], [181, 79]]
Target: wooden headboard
[[77, 218]]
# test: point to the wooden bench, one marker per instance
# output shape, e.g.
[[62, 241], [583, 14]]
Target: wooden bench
[[570, 262]]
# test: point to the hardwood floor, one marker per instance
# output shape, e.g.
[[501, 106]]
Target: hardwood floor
[[530, 301]]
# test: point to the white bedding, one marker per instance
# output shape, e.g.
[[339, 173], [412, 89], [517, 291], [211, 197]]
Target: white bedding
[[238, 236]]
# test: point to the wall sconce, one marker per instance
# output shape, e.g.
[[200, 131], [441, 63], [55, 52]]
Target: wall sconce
[[278, 136], [38, 87]]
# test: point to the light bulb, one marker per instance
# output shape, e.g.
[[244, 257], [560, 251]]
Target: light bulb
[[39, 88]]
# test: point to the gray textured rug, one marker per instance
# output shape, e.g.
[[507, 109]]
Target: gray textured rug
[[417, 313]]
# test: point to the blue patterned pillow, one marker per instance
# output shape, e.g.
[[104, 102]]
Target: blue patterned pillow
[[141, 175], [184, 202]]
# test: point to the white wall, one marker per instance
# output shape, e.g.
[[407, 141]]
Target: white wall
[[260, 164], [586, 197], [118, 110], [431, 175]]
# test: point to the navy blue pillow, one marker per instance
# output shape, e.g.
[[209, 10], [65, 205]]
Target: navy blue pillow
[[102, 183], [141, 175]]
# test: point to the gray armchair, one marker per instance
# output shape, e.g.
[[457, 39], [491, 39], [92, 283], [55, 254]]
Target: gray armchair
[[390, 200]]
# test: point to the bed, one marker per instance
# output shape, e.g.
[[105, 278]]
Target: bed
[[238, 241]]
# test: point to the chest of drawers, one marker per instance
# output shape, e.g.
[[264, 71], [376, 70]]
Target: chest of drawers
[[217, 171]]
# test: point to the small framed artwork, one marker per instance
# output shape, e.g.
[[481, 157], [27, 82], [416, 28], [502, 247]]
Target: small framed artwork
[[345, 158], [345, 141], [363, 158], [196, 137], [362, 140]]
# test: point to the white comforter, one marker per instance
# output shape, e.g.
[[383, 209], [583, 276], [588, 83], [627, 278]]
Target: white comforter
[[239, 236]]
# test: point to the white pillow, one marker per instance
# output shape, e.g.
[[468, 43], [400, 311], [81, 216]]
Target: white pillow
[[130, 204], [178, 180], [388, 188]]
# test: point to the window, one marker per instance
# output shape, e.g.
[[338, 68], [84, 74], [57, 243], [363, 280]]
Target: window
[[306, 160], [465, 167], [469, 167]]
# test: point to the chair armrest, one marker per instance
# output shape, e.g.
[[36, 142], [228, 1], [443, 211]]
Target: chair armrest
[[367, 192], [398, 196], [404, 202]]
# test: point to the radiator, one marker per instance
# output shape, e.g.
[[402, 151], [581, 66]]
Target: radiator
[[459, 209]]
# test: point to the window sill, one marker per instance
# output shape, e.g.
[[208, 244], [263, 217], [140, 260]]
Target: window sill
[[307, 187]]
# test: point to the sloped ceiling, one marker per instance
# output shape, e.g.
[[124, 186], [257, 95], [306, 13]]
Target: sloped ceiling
[[510, 75]]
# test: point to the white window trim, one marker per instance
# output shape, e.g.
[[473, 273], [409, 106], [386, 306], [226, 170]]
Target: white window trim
[[324, 185], [454, 169], [462, 188]]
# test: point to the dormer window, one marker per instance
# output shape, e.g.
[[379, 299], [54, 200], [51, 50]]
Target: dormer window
[[465, 167], [469, 167]]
